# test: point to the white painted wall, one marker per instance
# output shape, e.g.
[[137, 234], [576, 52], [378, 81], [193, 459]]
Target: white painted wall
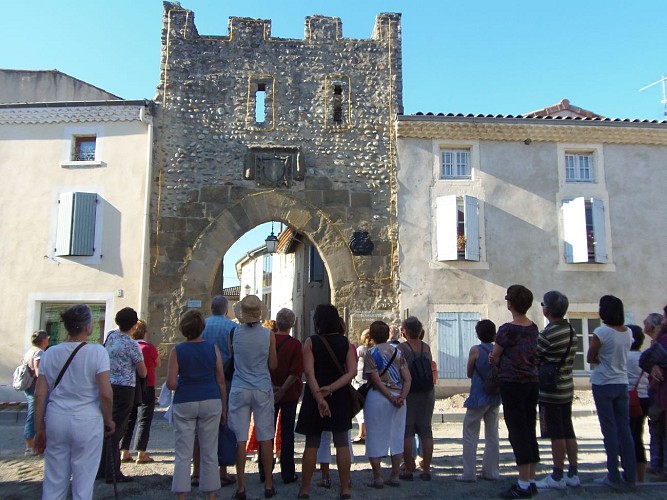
[[520, 190], [32, 178]]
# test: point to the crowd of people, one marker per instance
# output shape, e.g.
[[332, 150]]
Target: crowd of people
[[227, 374]]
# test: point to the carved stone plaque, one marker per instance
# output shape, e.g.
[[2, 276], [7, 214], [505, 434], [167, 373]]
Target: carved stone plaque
[[274, 167]]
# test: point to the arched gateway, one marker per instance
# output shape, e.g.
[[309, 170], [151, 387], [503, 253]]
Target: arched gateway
[[250, 128]]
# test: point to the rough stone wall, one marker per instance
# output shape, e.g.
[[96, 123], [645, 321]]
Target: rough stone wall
[[321, 161]]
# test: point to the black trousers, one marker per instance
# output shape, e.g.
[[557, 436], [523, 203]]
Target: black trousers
[[143, 414], [287, 419], [123, 400], [520, 410]]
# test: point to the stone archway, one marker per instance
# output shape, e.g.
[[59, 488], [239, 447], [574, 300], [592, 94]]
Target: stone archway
[[215, 240], [173, 289]]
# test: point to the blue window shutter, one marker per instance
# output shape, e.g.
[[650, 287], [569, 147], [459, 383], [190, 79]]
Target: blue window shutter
[[471, 218], [456, 334], [600, 234], [75, 235], [448, 344]]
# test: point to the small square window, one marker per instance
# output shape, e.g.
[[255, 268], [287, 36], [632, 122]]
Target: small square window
[[84, 148], [579, 167], [455, 164]]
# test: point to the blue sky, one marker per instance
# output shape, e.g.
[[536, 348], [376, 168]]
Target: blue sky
[[472, 56]]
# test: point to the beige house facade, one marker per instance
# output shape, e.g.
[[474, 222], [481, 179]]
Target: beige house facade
[[559, 199], [75, 205]]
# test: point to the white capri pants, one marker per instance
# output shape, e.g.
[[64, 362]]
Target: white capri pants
[[385, 426], [73, 449], [204, 418]]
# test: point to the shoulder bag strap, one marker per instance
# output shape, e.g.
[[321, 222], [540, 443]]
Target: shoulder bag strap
[[639, 379], [567, 351], [231, 341], [282, 344], [67, 363], [333, 356]]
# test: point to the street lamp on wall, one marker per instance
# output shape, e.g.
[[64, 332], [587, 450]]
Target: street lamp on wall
[[271, 241], [247, 289]]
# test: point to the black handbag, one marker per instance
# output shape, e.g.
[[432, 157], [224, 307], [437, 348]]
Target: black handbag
[[549, 372], [357, 396]]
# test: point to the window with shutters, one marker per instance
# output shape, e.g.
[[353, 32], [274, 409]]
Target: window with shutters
[[456, 333], [75, 233], [457, 228], [584, 231]]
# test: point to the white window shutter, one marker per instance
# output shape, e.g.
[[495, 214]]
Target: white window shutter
[[471, 218], [64, 229], [574, 225], [599, 231], [446, 222]]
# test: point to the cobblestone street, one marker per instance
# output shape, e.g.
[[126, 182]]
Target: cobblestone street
[[20, 477]]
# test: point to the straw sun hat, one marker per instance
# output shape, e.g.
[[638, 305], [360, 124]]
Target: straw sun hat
[[250, 309]]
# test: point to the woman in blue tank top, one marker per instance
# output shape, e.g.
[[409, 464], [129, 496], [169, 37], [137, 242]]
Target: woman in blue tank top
[[195, 374]]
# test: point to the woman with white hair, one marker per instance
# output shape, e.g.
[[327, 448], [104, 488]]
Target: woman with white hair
[[69, 430]]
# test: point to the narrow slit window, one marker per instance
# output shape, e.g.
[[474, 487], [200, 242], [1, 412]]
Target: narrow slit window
[[260, 103], [338, 104]]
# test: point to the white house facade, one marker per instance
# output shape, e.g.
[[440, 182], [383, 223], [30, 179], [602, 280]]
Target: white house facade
[[560, 199], [75, 204]]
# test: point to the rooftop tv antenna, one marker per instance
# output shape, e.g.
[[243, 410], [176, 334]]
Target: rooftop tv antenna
[[664, 93]]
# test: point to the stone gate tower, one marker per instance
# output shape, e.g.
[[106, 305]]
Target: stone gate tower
[[253, 128]]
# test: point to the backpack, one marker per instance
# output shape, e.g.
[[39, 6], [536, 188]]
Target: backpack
[[490, 383], [23, 378], [420, 371]]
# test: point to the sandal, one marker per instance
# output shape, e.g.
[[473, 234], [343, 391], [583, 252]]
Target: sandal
[[268, 493], [406, 476], [325, 482], [377, 484], [145, 460]]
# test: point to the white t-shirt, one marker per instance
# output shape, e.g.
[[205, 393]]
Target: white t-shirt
[[634, 372], [77, 392], [613, 354]]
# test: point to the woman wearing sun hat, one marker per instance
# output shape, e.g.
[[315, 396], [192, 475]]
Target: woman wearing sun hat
[[254, 350]]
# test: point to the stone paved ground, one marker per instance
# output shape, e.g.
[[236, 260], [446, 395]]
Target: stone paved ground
[[20, 478]]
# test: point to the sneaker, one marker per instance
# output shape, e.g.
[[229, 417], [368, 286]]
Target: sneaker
[[515, 491], [28, 452], [550, 483], [572, 482], [605, 481]]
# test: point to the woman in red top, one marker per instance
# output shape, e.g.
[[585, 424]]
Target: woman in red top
[[144, 412]]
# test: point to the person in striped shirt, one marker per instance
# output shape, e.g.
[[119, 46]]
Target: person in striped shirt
[[556, 406]]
